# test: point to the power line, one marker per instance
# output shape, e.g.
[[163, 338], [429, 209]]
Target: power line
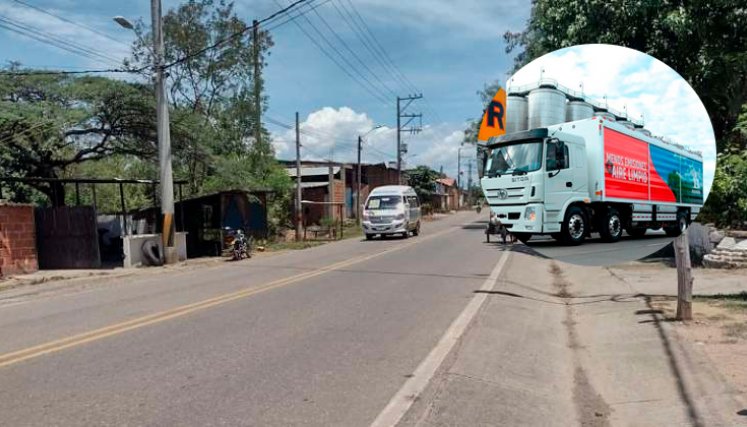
[[73, 49], [52, 40], [371, 89], [292, 18], [355, 55], [237, 34], [69, 21], [68, 72], [381, 53]]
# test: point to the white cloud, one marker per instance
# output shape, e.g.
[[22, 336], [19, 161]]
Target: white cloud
[[333, 132], [632, 79]]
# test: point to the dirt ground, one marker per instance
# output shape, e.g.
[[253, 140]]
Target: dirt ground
[[719, 325]]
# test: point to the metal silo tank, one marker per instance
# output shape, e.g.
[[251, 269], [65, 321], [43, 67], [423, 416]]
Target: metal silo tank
[[516, 113], [606, 115], [578, 110], [546, 108]]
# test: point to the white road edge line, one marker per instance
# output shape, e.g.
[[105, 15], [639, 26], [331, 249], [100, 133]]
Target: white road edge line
[[415, 385]]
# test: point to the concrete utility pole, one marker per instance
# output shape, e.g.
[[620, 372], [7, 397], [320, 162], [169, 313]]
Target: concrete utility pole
[[164, 138], [358, 184], [331, 189], [299, 212], [403, 128], [684, 277], [459, 168], [257, 82]]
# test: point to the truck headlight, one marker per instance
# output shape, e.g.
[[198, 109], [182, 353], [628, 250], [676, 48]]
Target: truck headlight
[[530, 214], [365, 216]]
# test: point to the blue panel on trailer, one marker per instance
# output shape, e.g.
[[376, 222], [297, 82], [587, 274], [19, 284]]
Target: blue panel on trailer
[[691, 172]]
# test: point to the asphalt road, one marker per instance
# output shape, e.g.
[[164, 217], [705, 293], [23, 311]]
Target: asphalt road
[[324, 336], [596, 252]]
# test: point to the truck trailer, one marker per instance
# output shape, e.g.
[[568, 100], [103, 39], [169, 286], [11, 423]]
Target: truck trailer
[[593, 175]]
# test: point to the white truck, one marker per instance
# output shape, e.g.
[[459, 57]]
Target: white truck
[[593, 175]]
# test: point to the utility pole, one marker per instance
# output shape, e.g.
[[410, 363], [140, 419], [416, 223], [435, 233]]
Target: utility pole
[[257, 91], [299, 212], [358, 184], [403, 127], [684, 277], [164, 139], [469, 182], [459, 168]]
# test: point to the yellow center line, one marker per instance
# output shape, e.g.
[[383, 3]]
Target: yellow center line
[[183, 310]]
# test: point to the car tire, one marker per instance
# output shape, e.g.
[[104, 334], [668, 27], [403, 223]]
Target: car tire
[[610, 226], [416, 232], [369, 236], [574, 227]]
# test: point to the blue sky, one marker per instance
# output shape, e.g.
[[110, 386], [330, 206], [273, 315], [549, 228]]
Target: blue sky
[[447, 49]]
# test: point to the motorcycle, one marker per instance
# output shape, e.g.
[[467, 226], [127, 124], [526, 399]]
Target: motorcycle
[[239, 244]]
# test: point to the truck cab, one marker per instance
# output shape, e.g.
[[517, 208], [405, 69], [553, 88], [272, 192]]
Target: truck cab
[[530, 177]]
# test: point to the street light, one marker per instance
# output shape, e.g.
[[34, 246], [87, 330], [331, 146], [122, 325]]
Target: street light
[[358, 175], [164, 137], [123, 22]]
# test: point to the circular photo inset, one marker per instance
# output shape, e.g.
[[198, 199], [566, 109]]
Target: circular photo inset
[[601, 154]]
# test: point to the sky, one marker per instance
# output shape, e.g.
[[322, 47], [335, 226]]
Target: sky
[[636, 81], [444, 49]]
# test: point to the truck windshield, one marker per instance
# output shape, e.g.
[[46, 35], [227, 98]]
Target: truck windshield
[[383, 202], [514, 158]]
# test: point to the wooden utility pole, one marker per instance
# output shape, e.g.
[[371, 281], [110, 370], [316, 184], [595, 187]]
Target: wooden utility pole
[[299, 212], [684, 277]]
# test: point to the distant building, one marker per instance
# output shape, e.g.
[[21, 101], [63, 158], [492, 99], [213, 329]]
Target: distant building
[[316, 186]]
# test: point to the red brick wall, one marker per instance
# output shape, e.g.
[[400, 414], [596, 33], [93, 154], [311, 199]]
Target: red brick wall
[[17, 240]]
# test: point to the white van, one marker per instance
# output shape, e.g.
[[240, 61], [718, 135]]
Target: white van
[[391, 209]]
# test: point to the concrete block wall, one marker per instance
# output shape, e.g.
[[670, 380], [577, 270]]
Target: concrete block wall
[[17, 239]]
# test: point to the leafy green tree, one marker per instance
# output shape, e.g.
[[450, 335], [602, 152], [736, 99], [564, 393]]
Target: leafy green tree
[[423, 180], [212, 91], [49, 123]]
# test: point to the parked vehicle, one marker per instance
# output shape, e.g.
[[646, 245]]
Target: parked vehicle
[[391, 209], [238, 243], [574, 178]]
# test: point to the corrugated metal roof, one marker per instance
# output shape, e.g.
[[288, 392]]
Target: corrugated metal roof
[[313, 171], [314, 184]]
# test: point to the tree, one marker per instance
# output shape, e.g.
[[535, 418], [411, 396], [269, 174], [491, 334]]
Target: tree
[[703, 41], [423, 180], [48, 123], [213, 93]]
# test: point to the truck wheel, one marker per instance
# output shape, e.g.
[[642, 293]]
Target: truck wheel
[[610, 226], [574, 226], [679, 227], [522, 237]]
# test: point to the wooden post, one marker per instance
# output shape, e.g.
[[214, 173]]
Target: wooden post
[[684, 277]]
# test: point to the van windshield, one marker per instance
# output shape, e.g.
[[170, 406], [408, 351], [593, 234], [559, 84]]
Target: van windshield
[[515, 158], [383, 202]]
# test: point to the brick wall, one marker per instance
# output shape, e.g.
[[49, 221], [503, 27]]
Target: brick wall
[[17, 240]]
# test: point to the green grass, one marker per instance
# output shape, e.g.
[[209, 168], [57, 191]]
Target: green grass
[[280, 246]]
